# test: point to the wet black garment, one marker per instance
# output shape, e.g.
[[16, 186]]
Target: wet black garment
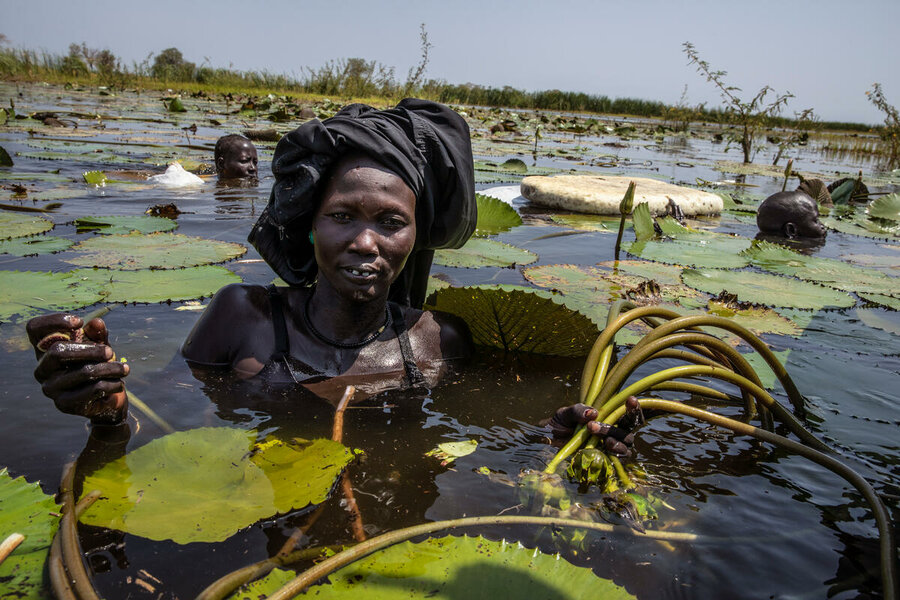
[[425, 143], [414, 377]]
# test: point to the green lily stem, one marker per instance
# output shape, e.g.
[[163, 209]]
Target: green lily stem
[[646, 351], [226, 584], [627, 483], [72, 559], [148, 412], [363, 549], [59, 580], [693, 322], [691, 388], [724, 374], [882, 518]]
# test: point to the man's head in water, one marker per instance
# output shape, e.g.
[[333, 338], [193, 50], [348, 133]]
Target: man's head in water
[[235, 157], [791, 215]]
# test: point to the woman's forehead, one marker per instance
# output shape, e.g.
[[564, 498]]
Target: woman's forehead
[[359, 169]]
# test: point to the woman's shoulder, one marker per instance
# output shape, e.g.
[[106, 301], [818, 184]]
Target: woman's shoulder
[[440, 333]]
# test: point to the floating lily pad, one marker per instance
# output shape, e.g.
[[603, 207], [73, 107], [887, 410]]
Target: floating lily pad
[[15, 225], [603, 224], [154, 251], [26, 294], [125, 224], [97, 178], [888, 301], [205, 484], [5, 159], [464, 567], [885, 207], [761, 288], [691, 247], [159, 285], [34, 246], [827, 271], [763, 370], [25, 509], [518, 319], [643, 223], [480, 252], [450, 451], [757, 319], [859, 224], [495, 216], [662, 273], [265, 587]]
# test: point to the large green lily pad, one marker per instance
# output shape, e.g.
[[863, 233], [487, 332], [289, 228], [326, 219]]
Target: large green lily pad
[[888, 301], [154, 251], [885, 207], [33, 246], [859, 224], [480, 252], [205, 484], [474, 568], [495, 216], [827, 271], [518, 319], [15, 225], [758, 319], [761, 288], [699, 249], [159, 285], [125, 224], [601, 223], [26, 294], [25, 509]]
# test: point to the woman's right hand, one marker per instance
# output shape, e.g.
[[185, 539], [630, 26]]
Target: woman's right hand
[[76, 367]]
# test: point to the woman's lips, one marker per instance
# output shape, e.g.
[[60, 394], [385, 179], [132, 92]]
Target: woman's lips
[[361, 273]]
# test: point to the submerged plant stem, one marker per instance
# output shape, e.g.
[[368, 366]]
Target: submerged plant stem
[[72, 559]]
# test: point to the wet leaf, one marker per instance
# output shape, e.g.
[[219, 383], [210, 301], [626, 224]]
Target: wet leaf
[[157, 250], [481, 252], [97, 178], [25, 294], [175, 105], [758, 319], [518, 319], [643, 223], [761, 288], [159, 285], [827, 271], [691, 248], [5, 159], [125, 224], [34, 246], [859, 224], [14, 225], [25, 509], [265, 587], [205, 484], [885, 207], [603, 224], [450, 451], [495, 216], [888, 301], [763, 370], [464, 567]]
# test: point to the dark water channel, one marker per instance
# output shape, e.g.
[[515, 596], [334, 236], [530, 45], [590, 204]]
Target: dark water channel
[[773, 525]]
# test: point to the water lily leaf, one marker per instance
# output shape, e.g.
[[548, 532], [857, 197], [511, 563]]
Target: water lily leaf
[[175, 105], [25, 509], [29, 293], [464, 567], [53, 177], [34, 246], [841, 194], [827, 271], [643, 223], [879, 319], [450, 451], [662, 273], [495, 216], [3, 116], [120, 224], [14, 225], [692, 248], [264, 587], [481, 252], [763, 370], [159, 285], [157, 250], [205, 484], [97, 178], [882, 299], [601, 223], [757, 319], [518, 319], [761, 288], [885, 207], [5, 159], [859, 224]]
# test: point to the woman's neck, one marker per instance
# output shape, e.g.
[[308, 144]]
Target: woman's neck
[[343, 320]]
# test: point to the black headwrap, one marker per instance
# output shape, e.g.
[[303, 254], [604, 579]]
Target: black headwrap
[[424, 143]]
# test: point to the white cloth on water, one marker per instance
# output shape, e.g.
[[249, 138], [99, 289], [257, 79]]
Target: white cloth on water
[[176, 176]]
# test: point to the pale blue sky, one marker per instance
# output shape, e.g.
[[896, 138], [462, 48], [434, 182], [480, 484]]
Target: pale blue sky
[[828, 53]]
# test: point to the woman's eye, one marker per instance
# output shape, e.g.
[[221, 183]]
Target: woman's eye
[[394, 223], [340, 217]]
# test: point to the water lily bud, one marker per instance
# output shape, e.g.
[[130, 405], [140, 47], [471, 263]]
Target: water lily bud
[[627, 202]]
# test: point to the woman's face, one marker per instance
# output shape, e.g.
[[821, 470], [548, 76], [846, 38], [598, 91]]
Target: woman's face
[[364, 229]]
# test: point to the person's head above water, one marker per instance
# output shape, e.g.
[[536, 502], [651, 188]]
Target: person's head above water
[[424, 144], [791, 215], [235, 157], [364, 228]]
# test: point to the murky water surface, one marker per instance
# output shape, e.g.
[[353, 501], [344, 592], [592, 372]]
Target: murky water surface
[[773, 525]]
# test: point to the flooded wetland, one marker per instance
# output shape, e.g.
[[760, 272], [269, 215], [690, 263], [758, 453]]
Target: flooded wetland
[[83, 228]]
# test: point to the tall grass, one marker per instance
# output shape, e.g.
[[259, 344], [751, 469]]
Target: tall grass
[[352, 78]]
